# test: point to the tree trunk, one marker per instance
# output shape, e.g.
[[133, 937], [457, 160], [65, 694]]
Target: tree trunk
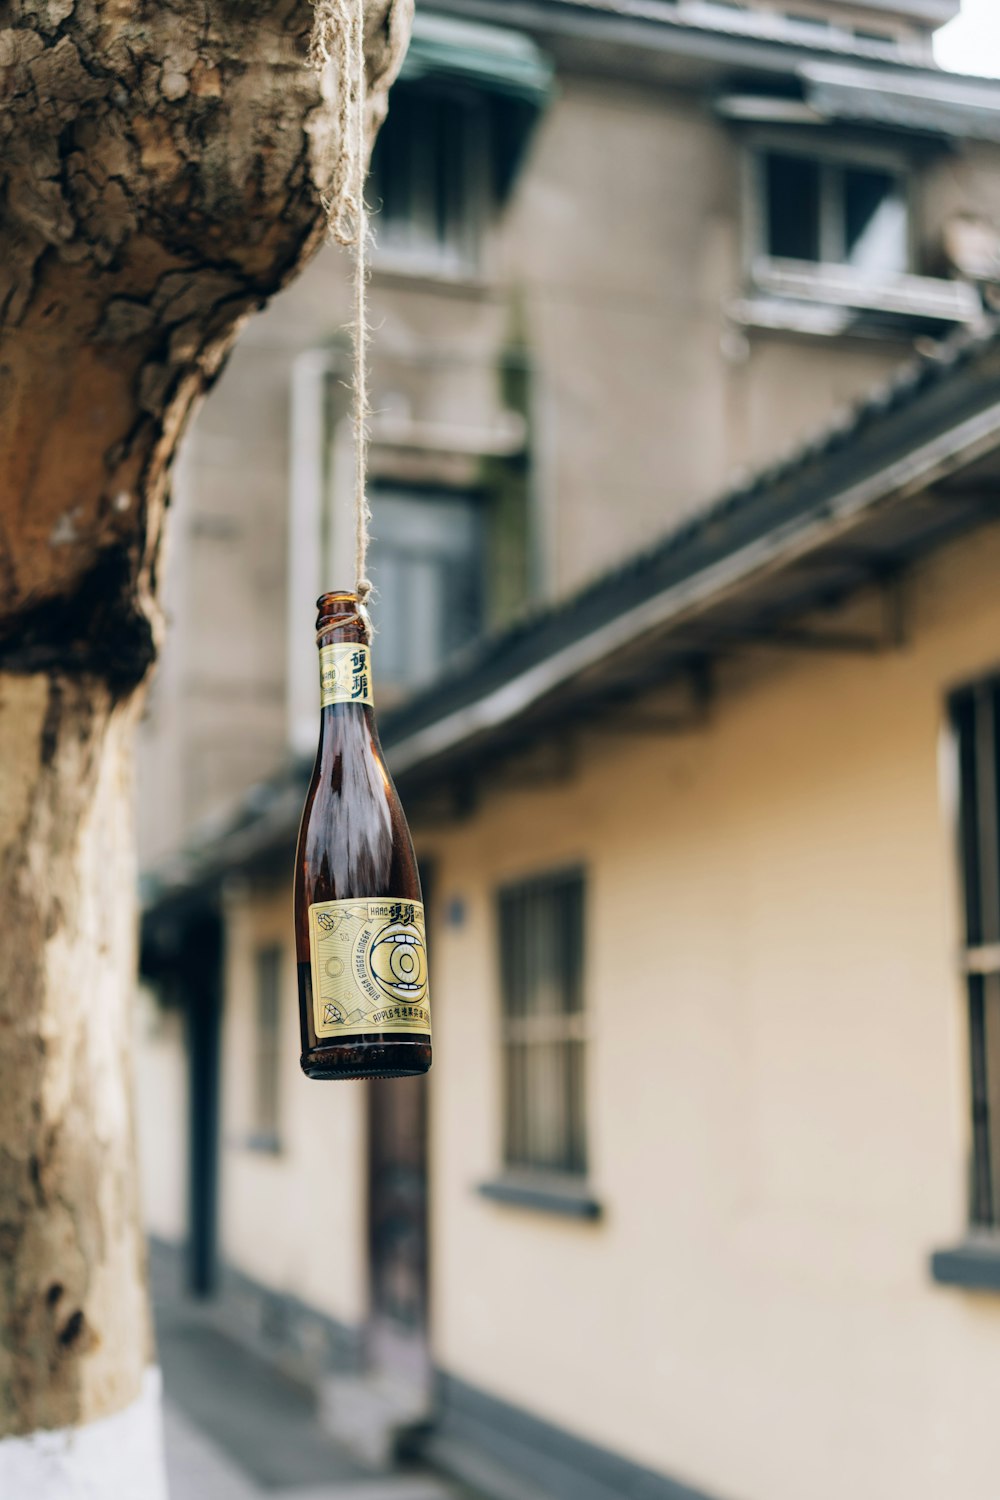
[[77, 1340], [160, 177]]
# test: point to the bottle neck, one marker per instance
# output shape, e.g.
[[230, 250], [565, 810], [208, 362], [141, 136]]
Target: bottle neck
[[345, 676], [342, 713]]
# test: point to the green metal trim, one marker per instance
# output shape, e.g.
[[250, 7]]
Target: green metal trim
[[492, 58]]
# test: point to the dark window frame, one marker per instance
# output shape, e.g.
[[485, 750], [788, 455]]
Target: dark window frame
[[474, 585], [834, 161], [442, 234], [267, 1048], [974, 714]]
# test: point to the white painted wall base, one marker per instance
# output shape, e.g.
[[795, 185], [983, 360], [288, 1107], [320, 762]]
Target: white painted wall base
[[117, 1458]]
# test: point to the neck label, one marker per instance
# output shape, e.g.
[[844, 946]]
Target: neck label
[[344, 675]]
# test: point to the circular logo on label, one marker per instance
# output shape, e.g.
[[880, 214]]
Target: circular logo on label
[[397, 962]]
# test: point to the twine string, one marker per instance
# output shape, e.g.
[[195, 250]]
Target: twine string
[[339, 38]]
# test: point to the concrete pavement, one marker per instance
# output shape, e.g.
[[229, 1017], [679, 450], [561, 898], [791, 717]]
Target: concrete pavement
[[237, 1429], [198, 1469]]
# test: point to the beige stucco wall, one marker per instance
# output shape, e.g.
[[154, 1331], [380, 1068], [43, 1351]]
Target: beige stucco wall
[[777, 1089], [624, 240], [966, 183], [290, 1219]]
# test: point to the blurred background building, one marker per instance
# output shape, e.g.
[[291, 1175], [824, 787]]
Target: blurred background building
[[684, 491]]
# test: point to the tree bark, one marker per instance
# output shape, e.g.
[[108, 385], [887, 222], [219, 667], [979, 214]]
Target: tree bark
[[76, 1336], [161, 168]]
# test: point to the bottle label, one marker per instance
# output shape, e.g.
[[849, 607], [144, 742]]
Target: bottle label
[[344, 675], [369, 967]]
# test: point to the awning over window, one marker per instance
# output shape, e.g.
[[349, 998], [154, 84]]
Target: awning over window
[[944, 104], [513, 74], [492, 58]]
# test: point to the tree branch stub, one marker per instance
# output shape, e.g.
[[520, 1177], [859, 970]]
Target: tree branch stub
[[161, 175]]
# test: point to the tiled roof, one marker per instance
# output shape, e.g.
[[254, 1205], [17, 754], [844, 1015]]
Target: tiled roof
[[927, 398]]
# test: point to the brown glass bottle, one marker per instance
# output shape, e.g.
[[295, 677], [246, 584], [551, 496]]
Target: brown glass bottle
[[358, 913]]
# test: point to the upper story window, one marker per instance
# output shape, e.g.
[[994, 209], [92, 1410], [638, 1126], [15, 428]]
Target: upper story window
[[431, 176], [452, 550], [427, 562], [829, 245], [822, 211]]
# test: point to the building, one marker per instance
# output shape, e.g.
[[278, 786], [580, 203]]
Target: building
[[704, 1175], [623, 236]]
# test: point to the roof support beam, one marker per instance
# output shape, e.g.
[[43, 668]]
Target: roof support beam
[[627, 721], [624, 713], [975, 493], [864, 559], [795, 638], [784, 634]]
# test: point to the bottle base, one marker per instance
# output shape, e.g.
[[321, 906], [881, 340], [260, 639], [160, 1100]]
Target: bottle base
[[361, 1077], [361, 1058]]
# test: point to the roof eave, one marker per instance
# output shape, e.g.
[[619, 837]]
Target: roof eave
[[748, 42], [687, 601]]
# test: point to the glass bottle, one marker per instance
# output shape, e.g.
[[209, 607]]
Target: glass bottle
[[359, 918]]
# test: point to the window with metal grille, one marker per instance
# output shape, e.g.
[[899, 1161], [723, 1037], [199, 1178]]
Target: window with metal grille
[[267, 1053], [544, 1024], [976, 722]]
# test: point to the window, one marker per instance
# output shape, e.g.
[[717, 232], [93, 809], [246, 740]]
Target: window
[[865, 34], [541, 958], [976, 723], [449, 563], [810, 22], [431, 170], [267, 1050], [829, 212], [426, 562]]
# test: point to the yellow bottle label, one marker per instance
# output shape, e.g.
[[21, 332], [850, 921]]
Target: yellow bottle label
[[369, 967], [344, 675]]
